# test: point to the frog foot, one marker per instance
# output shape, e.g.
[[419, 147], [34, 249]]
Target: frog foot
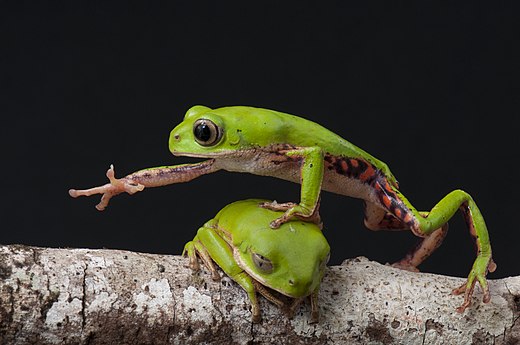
[[279, 207], [482, 265], [405, 265], [290, 310], [190, 252], [292, 210], [114, 187]]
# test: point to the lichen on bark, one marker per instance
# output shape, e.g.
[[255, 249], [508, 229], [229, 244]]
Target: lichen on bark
[[82, 296]]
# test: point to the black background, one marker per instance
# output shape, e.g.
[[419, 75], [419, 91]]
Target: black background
[[430, 90]]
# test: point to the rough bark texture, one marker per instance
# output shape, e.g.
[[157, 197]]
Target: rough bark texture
[[81, 296]]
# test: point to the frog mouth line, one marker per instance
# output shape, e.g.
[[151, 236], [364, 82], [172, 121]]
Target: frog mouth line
[[259, 279], [207, 155]]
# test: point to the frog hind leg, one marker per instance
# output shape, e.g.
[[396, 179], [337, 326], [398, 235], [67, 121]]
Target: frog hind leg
[[268, 295], [191, 253], [194, 249], [377, 218], [422, 250], [290, 309], [211, 246], [396, 204], [315, 312]]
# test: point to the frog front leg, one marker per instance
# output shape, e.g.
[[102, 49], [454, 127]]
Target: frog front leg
[[311, 177], [423, 224], [210, 245], [315, 312], [151, 177]]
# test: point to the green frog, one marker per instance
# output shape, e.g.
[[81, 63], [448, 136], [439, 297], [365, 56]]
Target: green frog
[[271, 143], [290, 261]]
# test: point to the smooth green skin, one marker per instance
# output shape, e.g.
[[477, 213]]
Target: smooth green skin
[[247, 127], [247, 131], [298, 250]]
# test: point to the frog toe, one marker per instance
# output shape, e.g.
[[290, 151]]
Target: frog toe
[[275, 206], [469, 286], [492, 266], [405, 265], [485, 288], [215, 276], [459, 290], [298, 212], [467, 289]]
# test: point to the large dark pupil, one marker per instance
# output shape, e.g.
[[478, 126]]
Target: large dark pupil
[[203, 132]]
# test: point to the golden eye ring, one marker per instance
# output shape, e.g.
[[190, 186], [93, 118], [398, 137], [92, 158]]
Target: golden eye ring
[[262, 263], [206, 132]]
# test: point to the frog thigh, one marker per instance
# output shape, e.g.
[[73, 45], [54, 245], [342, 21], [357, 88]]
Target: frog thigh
[[196, 248], [378, 218], [220, 251]]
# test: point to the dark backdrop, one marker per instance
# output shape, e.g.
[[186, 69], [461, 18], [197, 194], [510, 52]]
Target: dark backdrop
[[430, 90]]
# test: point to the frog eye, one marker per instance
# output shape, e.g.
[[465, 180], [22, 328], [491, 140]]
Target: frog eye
[[262, 263], [206, 132]]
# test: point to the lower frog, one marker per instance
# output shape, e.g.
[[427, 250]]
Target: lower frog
[[290, 261]]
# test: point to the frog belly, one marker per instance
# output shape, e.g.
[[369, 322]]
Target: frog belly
[[341, 176]]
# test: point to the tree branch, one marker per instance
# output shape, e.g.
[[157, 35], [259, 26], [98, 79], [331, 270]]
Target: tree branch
[[81, 296]]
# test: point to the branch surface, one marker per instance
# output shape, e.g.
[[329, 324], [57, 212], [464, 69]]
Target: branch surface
[[83, 296]]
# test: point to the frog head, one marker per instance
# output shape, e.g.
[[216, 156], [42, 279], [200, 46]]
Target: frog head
[[290, 260], [210, 133]]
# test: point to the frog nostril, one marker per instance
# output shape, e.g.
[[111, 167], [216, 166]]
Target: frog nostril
[[291, 282], [176, 137]]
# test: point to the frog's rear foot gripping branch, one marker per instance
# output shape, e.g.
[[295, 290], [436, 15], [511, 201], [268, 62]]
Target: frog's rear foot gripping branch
[[113, 188], [194, 250], [468, 287], [439, 215], [427, 225]]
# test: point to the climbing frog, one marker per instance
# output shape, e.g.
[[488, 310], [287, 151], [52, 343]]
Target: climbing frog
[[290, 261], [271, 143]]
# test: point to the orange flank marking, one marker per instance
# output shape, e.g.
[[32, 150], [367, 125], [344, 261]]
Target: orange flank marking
[[368, 173], [407, 218], [378, 186], [344, 165], [388, 187], [387, 201], [398, 213], [354, 163]]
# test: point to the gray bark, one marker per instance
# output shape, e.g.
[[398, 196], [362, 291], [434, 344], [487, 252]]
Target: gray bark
[[81, 296]]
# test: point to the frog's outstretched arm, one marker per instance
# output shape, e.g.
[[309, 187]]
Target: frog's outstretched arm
[[152, 177], [423, 224]]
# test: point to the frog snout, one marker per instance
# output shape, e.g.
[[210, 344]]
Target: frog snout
[[176, 137], [299, 284]]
